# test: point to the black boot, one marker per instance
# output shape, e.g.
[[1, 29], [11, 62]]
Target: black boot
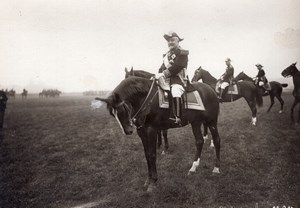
[[177, 104], [221, 94]]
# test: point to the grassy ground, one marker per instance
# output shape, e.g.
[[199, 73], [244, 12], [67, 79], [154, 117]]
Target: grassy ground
[[61, 153]]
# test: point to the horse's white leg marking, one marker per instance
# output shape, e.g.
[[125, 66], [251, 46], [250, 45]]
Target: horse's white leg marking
[[205, 138], [117, 118], [212, 143], [195, 165], [253, 121], [216, 170]]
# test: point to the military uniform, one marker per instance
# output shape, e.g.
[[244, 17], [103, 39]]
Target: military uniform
[[3, 100], [261, 76], [227, 77], [173, 70]]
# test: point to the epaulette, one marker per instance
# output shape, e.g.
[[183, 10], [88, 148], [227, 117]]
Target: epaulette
[[184, 52]]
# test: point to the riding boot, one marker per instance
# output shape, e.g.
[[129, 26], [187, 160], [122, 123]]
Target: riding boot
[[177, 104]]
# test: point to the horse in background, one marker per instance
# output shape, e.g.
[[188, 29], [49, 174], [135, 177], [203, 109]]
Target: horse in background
[[163, 133], [276, 89], [135, 101], [11, 93], [246, 89], [24, 93], [292, 71]]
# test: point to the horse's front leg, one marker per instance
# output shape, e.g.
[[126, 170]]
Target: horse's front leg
[[196, 127], [292, 111], [149, 138]]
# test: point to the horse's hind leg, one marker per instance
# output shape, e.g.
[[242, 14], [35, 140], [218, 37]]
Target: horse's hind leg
[[199, 145], [281, 102], [166, 146], [252, 105], [272, 102], [217, 141]]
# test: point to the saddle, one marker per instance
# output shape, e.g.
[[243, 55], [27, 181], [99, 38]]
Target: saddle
[[267, 86], [191, 98], [232, 89]]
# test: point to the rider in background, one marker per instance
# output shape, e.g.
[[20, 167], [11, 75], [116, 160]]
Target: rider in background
[[226, 78], [260, 79], [173, 70]]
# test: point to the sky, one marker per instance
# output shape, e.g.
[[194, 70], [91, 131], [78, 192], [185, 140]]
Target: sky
[[80, 45]]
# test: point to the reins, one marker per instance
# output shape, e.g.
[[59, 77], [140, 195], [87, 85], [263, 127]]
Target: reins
[[147, 102]]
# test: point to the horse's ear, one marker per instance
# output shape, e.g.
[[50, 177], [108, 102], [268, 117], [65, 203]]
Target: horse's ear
[[295, 63], [126, 70]]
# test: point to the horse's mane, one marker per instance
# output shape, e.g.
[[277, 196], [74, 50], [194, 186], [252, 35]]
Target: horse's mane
[[132, 87], [209, 76], [142, 73]]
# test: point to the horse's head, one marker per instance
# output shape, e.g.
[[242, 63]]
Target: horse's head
[[129, 73], [290, 71], [121, 111], [242, 76], [197, 74]]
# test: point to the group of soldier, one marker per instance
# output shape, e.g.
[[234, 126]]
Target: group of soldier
[[173, 72]]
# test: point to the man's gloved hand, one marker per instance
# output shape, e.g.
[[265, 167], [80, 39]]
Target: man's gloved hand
[[159, 75]]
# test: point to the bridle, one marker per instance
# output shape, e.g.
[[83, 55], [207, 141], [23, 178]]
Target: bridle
[[145, 105]]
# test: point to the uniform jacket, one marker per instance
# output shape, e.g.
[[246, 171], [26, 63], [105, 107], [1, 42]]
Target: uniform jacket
[[261, 76], [228, 75], [178, 60]]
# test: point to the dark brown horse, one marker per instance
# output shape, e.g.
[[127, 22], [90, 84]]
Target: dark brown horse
[[135, 102], [246, 90], [292, 71], [163, 133], [276, 89]]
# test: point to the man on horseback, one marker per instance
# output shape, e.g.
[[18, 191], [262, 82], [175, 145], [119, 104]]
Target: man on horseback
[[173, 71], [226, 78], [260, 79]]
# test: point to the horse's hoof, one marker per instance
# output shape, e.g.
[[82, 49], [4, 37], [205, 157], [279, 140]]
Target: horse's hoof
[[147, 182], [191, 173], [151, 188], [216, 170], [211, 145], [280, 112], [163, 152]]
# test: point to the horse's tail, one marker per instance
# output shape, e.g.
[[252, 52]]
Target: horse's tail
[[259, 98], [284, 84]]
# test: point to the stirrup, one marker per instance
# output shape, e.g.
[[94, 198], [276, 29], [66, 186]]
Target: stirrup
[[176, 120]]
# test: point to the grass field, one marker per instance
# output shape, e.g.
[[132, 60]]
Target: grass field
[[61, 153]]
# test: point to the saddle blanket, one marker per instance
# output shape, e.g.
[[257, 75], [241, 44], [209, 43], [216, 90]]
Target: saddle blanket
[[232, 90], [193, 99]]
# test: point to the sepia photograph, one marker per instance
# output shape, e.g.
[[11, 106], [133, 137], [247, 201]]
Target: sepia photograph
[[149, 104]]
